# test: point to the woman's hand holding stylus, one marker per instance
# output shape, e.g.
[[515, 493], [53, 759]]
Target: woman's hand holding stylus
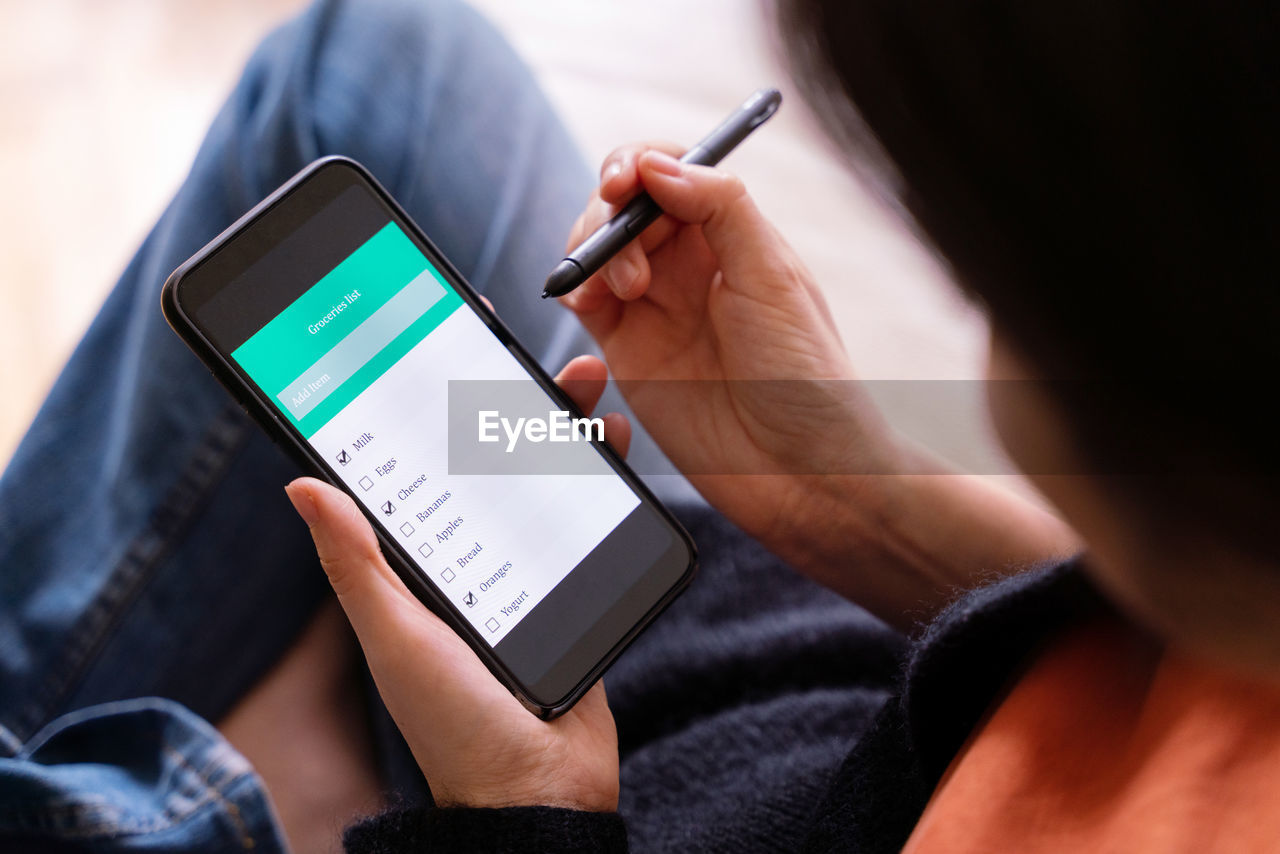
[[712, 294], [767, 423]]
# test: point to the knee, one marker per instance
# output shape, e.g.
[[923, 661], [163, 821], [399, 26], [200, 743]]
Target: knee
[[370, 45], [389, 72], [363, 79]]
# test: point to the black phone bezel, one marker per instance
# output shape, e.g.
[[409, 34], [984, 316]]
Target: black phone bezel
[[286, 436]]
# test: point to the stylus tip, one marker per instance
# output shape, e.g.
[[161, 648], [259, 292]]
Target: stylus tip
[[565, 277]]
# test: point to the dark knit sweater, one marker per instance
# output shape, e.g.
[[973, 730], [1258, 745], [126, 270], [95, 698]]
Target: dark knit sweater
[[763, 713]]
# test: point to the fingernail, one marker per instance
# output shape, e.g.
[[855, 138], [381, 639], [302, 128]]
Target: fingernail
[[302, 501], [610, 172], [622, 272], [660, 161]]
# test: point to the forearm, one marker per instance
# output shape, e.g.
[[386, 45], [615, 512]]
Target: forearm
[[902, 545]]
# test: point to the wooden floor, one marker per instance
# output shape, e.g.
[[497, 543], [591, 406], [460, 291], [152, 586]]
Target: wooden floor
[[105, 103]]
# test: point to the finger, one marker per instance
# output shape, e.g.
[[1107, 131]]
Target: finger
[[617, 432], [589, 297], [488, 303], [618, 177], [743, 241], [584, 380], [627, 273], [596, 308], [578, 232], [388, 619], [596, 214], [659, 233], [372, 595]]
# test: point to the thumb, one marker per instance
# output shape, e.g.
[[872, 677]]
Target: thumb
[[743, 240], [370, 592]]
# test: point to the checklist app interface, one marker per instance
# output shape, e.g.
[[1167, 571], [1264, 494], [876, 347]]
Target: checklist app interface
[[360, 364]]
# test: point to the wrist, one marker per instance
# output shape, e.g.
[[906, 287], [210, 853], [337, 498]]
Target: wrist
[[503, 798], [869, 536], [587, 792], [829, 522]]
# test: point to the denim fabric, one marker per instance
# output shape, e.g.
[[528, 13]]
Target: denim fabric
[[146, 546], [147, 549], [145, 775]]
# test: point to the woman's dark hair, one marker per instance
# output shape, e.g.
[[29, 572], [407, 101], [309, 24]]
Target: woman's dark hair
[[1105, 177]]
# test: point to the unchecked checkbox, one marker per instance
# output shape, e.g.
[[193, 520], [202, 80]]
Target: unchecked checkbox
[[406, 529], [447, 575], [425, 549], [366, 483], [492, 625]]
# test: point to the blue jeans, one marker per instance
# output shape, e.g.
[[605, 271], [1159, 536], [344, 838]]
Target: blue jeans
[[152, 570], [147, 549]]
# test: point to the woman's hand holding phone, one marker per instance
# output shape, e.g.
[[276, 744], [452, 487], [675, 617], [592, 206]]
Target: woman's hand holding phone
[[476, 745]]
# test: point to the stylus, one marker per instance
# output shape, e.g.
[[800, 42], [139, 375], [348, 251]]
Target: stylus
[[641, 212]]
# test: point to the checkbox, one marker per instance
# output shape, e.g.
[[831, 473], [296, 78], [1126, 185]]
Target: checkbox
[[447, 575], [425, 549], [406, 529], [366, 483], [492, 625]]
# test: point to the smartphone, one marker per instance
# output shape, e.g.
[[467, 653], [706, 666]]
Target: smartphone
[[339, 327]]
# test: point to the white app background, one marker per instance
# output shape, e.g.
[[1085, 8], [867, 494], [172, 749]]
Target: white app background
[[494, 545]]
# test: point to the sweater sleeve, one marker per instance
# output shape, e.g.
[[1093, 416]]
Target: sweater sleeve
[[419, 830]]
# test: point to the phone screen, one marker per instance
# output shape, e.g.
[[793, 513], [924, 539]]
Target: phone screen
[[353, 335]]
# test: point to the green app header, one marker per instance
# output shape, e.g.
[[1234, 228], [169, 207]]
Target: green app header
[[331, 343]]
